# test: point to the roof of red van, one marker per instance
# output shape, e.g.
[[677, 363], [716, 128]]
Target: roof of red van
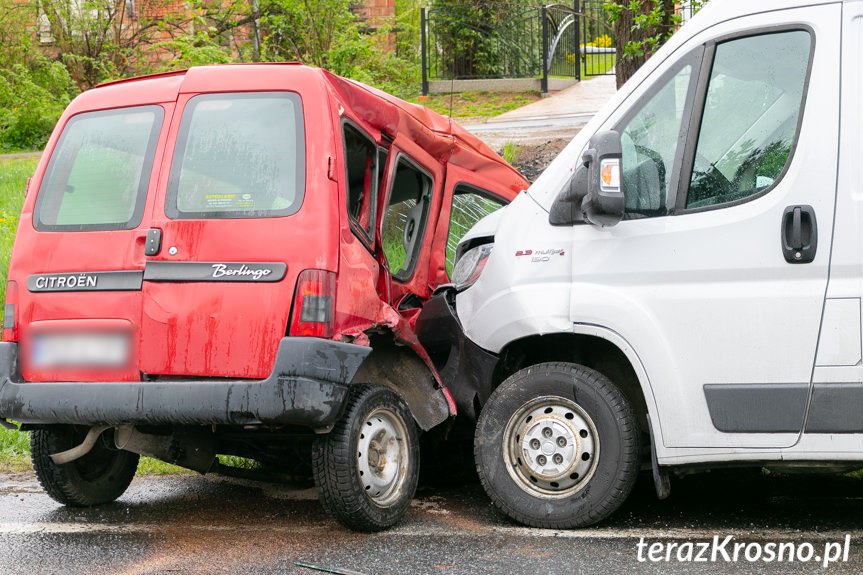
[[443, 138]]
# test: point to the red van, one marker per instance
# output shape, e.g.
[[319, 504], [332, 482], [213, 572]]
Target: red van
[[227, 260]]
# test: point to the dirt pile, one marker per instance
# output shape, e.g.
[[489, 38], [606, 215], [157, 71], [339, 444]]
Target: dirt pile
[[534, 157]]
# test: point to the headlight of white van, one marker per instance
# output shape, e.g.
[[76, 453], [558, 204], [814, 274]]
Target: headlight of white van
[[469, 267]]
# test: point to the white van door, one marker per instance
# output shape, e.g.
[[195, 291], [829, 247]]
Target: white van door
[[717, 274], [835, 421]]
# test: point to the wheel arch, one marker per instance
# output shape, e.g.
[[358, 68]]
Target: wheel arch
[[595, 347], [400, 368]]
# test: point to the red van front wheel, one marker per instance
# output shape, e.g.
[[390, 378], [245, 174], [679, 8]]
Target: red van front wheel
[[367, 467], [100, 476]]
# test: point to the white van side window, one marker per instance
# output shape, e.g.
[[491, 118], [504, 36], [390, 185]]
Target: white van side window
[[650, 141], [749, 124]]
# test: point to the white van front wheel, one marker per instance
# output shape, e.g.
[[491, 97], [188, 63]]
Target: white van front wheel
[[556, 446]]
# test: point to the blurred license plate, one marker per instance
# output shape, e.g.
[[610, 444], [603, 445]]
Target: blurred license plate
[[80, 350]]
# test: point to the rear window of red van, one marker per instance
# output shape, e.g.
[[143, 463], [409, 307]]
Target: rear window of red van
[[238, 156], [99, 171]]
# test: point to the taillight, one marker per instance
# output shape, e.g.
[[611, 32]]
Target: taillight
[[10, 317], [314, 304]]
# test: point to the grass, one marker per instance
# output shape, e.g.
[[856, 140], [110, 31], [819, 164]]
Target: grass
[[478, 104], [591, 65], [511, 151], [15, 456], [14, 450], [13, 178]]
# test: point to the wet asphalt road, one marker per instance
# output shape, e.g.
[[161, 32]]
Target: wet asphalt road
[[201, 525]]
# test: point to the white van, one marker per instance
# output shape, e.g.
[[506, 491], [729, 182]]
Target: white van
[[682, 287]]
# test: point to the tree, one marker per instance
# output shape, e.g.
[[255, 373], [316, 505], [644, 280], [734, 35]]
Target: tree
[[327, 34], [33, 89], [101, 40], [306, 30], [215, 33], [641, 27]]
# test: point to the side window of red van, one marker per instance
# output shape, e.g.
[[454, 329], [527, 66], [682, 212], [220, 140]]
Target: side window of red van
[[361, 174], [469, 205], [405, 218]]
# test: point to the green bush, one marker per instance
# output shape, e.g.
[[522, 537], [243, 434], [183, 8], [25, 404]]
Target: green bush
[[32, 97]]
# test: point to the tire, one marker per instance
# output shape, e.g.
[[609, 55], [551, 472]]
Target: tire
[[99, 477], [366, 468], [556, 446]]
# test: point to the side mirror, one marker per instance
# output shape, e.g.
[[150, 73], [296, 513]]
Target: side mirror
[[566, 209], [595, 191], [604, 203]]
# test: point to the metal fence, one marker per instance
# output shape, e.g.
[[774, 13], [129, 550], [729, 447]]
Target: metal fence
[[503, 40], [499, 40], [597, 39]]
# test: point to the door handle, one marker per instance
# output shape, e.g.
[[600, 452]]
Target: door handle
[[154, 242], [799, 234]]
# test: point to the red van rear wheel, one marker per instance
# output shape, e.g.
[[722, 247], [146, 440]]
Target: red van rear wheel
[[367, 467], [99, 477]]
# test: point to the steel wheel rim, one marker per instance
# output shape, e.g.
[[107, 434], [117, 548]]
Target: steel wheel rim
[[551, 447], [382, 456]]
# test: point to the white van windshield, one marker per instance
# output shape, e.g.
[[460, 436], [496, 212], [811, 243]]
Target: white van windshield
[[238, 156]]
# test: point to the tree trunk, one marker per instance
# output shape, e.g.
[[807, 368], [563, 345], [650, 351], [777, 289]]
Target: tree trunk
[[625, 66], [628, 35]]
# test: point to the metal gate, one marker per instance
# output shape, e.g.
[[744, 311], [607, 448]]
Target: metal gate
[[598, 55], [502, 40]]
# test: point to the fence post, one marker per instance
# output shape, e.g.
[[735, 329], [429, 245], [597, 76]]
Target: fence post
[[423, 50], [577, 41], [544, 82]]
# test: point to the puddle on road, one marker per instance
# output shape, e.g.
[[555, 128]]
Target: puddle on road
[[13, 487]]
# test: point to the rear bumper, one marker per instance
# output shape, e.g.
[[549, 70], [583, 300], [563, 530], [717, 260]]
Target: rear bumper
[[307, 387]]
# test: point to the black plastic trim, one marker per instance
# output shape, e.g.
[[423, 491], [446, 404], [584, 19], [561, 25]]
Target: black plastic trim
[[757, 408], [308, 387], [467, 368], [836, 408], [253, 272], [120, 280], [685, 160]]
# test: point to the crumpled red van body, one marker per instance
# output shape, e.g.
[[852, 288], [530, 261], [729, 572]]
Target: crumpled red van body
[[221, 259]]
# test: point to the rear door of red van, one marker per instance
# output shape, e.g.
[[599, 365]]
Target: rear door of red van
[[242, 211], [78, 261]]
